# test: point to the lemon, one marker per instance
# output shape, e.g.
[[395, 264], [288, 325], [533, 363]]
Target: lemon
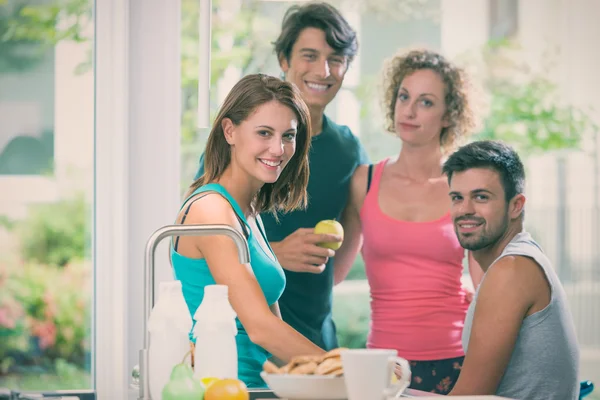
[[208, 380]]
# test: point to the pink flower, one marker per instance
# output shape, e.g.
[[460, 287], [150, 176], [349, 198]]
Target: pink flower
[[6, 319], [50, 310], [46, 333], [10, 312]]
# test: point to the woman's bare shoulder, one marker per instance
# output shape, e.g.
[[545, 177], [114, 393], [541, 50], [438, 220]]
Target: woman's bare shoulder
[[209, 208]]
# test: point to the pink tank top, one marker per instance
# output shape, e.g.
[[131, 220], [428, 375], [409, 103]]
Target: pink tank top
[[418, 305]]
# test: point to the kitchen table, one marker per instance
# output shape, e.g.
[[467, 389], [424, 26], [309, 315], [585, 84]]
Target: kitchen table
[[408, 393]]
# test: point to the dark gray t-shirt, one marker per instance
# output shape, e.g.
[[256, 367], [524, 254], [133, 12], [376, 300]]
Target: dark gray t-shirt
[[545, 361]]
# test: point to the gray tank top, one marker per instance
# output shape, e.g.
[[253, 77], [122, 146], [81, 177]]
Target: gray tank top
[[545, 361]]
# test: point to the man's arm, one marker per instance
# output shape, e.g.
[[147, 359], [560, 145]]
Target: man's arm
[[345, 255], [505, 297]]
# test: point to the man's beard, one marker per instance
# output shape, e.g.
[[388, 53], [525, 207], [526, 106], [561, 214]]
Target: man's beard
[[485, 239]]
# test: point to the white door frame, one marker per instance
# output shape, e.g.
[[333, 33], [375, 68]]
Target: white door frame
[[137, 164]]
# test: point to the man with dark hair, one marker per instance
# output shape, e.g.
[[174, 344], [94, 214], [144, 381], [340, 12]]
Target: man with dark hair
[[314, 49], [519, 338]]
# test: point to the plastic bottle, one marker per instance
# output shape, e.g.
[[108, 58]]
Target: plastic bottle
[[215, 330], [169, 325]]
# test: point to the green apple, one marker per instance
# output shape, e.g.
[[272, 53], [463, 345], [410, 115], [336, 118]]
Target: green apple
[[330, 226]]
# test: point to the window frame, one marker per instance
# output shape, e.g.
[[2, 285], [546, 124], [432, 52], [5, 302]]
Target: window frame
[[111, 170], [137, 173]]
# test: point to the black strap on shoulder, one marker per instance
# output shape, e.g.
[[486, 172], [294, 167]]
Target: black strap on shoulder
[[183, 220], [244, 227], [369, 177]]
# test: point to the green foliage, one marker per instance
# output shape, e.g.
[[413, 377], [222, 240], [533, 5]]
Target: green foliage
[[6, 222], [525, 116], [525, 105], [242, 42], [64, 375], [56, 233], [14, 336], [351, 313], [16, 54], [29, 30], [50, 23]]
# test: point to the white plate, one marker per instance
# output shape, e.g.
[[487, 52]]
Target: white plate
[[306, 387]]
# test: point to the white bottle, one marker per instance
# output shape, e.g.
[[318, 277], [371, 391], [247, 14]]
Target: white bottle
[[169, 326], [215, 331]]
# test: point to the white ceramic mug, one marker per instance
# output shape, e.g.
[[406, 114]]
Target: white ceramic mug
[[368, 374]]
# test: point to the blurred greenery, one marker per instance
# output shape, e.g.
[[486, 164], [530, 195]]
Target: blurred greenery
[[56, 233], [351, 313], [242, 43], [45, 314], [357, 272], [525, 107], [65, 376], [30, 29], [6, 222]]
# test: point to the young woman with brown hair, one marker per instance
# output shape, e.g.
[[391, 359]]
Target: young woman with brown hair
[[256, 160]]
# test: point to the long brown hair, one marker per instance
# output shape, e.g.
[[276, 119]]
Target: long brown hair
[[289, 191]]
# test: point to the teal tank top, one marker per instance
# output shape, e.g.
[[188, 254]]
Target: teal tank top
[[194, 275]]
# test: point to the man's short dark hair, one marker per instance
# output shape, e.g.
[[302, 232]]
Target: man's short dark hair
[[338, 32], [493, 155]]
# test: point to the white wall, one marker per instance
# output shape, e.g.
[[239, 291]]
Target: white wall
[[464, 26], [73, 118]]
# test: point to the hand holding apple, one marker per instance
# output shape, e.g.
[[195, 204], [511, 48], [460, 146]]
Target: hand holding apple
[[307, 250], [330, 226]]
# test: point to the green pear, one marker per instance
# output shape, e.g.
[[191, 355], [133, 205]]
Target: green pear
[[333, 227], [182, 385]]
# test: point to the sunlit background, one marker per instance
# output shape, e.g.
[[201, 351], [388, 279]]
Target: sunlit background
[[534, 60]]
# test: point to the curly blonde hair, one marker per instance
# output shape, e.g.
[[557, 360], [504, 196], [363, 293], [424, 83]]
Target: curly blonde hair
[[459, 107]]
